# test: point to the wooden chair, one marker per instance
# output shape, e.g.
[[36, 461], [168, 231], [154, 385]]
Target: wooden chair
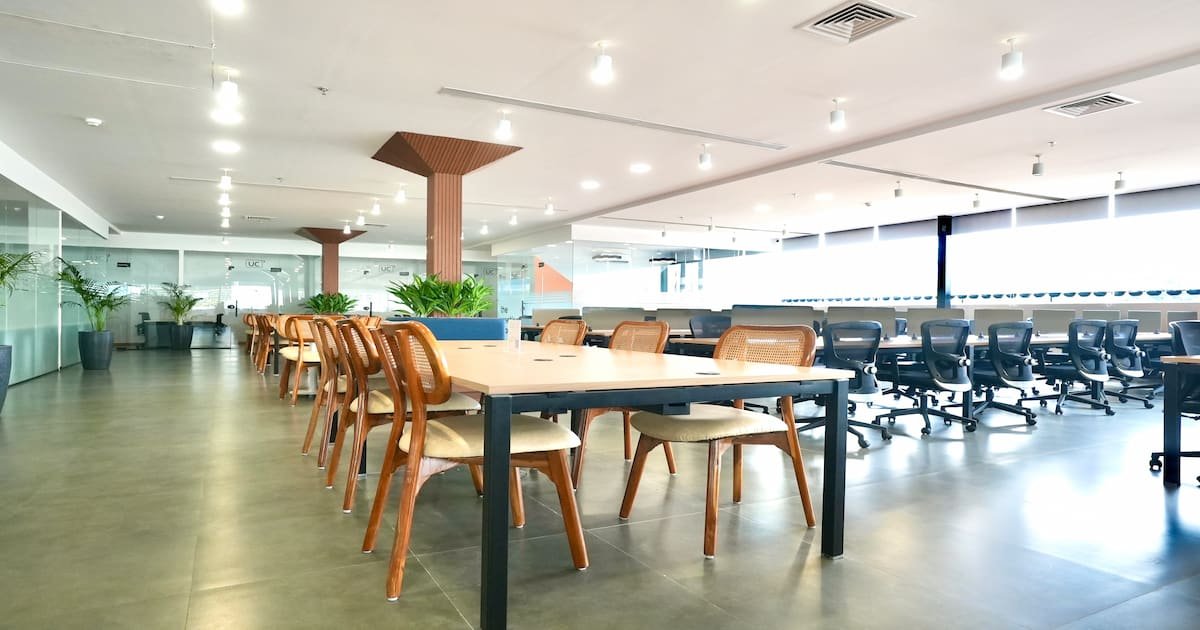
[[635, 337], [565, 331], [251, 332], [331, 388], [368, 402], [265, 325], [722, 427], [418, 377], [298, 355]]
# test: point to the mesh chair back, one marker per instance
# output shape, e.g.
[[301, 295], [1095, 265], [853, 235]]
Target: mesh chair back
[[640, 336], [944, 346], [709, 326], [853, 346], [787, 345], [565, 331], [1121, 345], [1085, 345], [1185, 337], [1008, 352]]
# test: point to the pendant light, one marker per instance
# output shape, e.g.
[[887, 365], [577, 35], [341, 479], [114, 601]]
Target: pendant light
[[401, 195], [837, 117], [223, 199], [898, 191], [227, 95], [226, 182], [1012, 64], [1038, 167], [513, 219], [602, 67], [346, 228], [375, 208], [484, 229], [504, 130], [706, 162], [1119, 184], [976, 203], [225, 213], [225, 223], [549, 206], [361, 220]]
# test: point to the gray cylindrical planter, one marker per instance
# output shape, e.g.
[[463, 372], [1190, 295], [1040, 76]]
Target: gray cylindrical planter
[[181, 336], [5, 372], [95, 349]]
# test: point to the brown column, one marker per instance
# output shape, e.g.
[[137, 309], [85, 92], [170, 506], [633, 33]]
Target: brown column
[[330, 241], [443, 161], [443, 226]]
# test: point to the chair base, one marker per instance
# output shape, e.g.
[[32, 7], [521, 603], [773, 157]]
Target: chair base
[[925, 411], [850, 424], [1094, 398], [1126, 386], [1156, 460], [990, 402]]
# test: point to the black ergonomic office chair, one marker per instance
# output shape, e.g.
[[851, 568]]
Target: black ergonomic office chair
[[1185, 341], [853, 346], [1125, 360], [944, 368], [1087, 364], [1008, 364], [709, 326]]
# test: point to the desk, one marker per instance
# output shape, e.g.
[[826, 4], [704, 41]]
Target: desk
[[529, 332], [1174, 369], [531, 376], [904, 342]]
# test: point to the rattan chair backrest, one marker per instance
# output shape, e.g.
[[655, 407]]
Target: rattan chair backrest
[[564, 331], [640, 336], [787, 345]]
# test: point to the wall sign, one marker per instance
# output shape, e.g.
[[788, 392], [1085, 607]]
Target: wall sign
[[256, 263], [387, 268], [124, 265]]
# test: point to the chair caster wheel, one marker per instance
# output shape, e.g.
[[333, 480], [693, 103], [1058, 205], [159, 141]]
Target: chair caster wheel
[[887, 435], [1148, 405], [891, 421], [1030, 421], [1155, 464], [875, 422], [970, 427], [863, 443], [1058, 411], [895, 396], [1043, 403], [870, 405], [1109, 411], [947, 422], [925, 431]]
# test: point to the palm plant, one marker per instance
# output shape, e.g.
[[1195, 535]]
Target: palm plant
[[96, 298], [13, 267], [330, 303], [178, 301], [431, 296]]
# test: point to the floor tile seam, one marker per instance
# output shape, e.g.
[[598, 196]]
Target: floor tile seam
[[442, 590], [631, 521], [333, 566], [1111, 607]]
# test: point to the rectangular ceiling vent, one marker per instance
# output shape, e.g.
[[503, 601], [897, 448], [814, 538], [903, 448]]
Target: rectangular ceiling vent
[[375, 225], [255, 218], [613, 257], [853, 21], [1091, 105]]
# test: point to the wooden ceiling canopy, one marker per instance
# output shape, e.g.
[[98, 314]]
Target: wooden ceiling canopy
[[425, 155], [326, 236]]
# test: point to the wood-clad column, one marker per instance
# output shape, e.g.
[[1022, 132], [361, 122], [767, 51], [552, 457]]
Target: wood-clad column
[[443, 226], [330, 241], [443, 161]]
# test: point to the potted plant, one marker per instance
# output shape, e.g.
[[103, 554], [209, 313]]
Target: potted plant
[[98, 300], [13, 267], [330, 303], [450, 309], [180, 303]]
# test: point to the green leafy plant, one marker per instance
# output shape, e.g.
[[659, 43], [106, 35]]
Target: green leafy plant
[[178, 301], [431, 296], [97, 299], [14, 267], [330, 303]]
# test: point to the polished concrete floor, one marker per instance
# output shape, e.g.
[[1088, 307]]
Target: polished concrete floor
[[170, 493]]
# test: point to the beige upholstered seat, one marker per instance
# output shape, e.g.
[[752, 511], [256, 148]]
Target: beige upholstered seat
[[462, 436], [292, 353], [343, 384], [706, 422], [380, 402]]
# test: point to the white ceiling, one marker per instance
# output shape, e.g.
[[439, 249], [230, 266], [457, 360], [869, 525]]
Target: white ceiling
[[922, 97]]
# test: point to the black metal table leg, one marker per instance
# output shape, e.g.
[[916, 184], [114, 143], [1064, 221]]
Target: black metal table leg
[[493, 596], [576, 420], [968, 397], [1171, 424], [833, 505]]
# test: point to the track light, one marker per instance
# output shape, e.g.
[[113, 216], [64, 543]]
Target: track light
[[223, 200], [976, 202], [1119, 184], [504, 131], [401, 195], [1012, 64], [226, 182], [837, 117], [375, 207], [227, 95], [705, 158], [346, 228], [484, 229], [361, 220], [602, 67], [225, 213], [549, 207], [664, 231], [513, 219], [1038, 167], [710, 224], [898, 191], [225, 222], [226, 116]]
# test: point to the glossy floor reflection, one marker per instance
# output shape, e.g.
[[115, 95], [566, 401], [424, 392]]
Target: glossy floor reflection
[[170, 493]]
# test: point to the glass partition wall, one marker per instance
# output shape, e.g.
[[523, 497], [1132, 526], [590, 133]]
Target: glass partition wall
[[29, 316]]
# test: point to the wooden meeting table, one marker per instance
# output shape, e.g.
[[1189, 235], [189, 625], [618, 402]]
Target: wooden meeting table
[[529, 376]]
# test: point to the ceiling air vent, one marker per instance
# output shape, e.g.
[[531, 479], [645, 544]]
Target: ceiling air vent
[[663, 260], [853, 21], [614, 257], [1091, 105], [254, 218]]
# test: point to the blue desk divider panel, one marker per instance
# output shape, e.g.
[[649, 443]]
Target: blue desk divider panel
[[462, 328]]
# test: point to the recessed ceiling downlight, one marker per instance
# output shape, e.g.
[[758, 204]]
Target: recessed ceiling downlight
[[228, 147], [639, 168]]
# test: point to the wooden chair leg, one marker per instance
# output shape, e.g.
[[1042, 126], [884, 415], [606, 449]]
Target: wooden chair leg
[[670, 453], [644, 446], [312, 420], [627, 428], [561, 477], [404, 518], [360, 440], [477, 478], [584, 425], [338, 442], [301, 368], [711, 498], [515, 498], [737, 473], [793, 447], [284, 375], [381, 493], [337, 400]]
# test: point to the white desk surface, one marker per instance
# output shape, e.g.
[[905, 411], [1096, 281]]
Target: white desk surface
[[495, 367]]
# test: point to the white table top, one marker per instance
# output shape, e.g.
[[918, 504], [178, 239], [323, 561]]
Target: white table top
[[495, 367]]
